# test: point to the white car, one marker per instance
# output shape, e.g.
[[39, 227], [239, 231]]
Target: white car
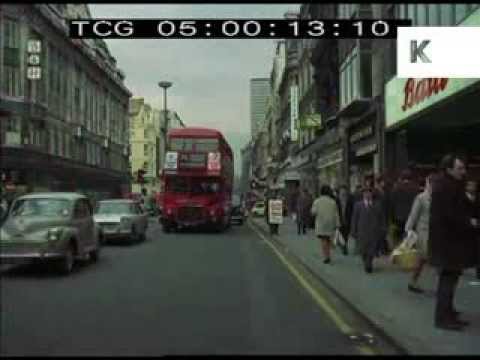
[[259, 208], [121, 219]]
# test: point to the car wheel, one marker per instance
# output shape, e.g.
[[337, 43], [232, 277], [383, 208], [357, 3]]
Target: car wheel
[[65, 264]]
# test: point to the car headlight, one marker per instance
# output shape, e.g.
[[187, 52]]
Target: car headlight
[[54, 234]]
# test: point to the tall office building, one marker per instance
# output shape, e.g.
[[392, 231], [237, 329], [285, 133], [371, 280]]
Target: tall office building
[[259, 93]]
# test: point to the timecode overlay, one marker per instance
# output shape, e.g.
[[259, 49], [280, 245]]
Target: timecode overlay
[[235, 28]]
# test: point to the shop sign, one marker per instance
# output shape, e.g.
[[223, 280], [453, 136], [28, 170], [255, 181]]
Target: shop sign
[[330, 159], [275, 211], [407, 97], [361, 134], [416, 91]]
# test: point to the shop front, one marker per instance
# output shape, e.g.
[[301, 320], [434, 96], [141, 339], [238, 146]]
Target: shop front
[[330, 168], [363, 155], [427, 118], [25, 170]]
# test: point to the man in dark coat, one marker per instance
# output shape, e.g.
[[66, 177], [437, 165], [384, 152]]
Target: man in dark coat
[[368, 226], [381, 195], [473, 204], [451, 247], [304, 204]]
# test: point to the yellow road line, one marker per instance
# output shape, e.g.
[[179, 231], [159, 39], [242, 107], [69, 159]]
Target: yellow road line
[[337, 319]]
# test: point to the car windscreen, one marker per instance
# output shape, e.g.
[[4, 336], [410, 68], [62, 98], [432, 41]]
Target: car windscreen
[[41, 207], [115, 208]]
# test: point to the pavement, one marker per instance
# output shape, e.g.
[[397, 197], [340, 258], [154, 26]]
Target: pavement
[[174, 294], [383, 298]]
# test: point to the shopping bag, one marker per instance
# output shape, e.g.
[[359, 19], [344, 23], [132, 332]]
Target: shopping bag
[[407, 259], [338, 239]]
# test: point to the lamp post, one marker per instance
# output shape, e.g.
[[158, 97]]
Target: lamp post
[[165, 85]]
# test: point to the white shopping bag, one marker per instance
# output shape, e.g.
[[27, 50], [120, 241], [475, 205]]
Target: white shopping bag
[[338, 239]]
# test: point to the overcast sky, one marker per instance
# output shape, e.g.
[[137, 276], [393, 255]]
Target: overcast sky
[[210, 77]]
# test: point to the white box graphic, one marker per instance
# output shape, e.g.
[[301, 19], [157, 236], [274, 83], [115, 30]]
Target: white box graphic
[[447, 52]]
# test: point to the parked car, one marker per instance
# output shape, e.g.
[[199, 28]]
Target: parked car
[[57, 227], [259, 208], [121, 219]]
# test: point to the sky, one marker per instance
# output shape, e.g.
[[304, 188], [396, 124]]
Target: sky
[[210, 77]]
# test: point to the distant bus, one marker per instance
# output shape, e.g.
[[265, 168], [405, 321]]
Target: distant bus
[[197, 179]]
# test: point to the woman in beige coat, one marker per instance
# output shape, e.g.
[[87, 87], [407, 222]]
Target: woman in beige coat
[[418, 222], [327, 220]]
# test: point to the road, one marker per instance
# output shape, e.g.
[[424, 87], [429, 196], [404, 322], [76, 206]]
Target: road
[[177, 293]]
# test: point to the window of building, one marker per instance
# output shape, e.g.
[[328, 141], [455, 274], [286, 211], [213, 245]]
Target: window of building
[[434, 15], [422, 14], [11, 83], [350, 78], [412, 13], [461, 12], [447, 14], [145, 149]]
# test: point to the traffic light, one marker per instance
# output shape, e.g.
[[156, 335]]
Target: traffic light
[[140, 176]]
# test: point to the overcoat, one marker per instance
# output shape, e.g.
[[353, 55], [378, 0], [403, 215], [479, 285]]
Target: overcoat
[[368, 226], [451, 242]]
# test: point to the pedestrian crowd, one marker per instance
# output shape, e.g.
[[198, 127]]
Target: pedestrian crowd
[[439, 218]]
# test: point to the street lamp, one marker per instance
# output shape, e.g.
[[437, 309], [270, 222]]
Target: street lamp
[[165, 85]]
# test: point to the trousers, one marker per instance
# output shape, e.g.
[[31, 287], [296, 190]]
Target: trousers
[[447, 285]]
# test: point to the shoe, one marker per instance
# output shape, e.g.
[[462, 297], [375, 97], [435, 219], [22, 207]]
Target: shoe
[[327, 261], [368, 269], [453, 326], [415, 289]]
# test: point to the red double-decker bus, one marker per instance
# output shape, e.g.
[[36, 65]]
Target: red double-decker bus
[[197, 179]]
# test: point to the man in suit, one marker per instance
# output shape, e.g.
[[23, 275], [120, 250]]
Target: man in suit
[[368, 227], [451, 246]]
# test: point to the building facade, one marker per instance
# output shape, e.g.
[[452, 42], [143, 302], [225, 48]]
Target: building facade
[[69, 129], [147, 136], [259, 93]]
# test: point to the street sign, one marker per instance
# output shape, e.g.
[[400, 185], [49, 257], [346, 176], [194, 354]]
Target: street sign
[[34, 73], [275, 211], [33, 59], [34, 46]]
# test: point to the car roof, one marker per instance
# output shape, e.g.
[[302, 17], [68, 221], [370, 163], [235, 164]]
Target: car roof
[[53, 195]]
